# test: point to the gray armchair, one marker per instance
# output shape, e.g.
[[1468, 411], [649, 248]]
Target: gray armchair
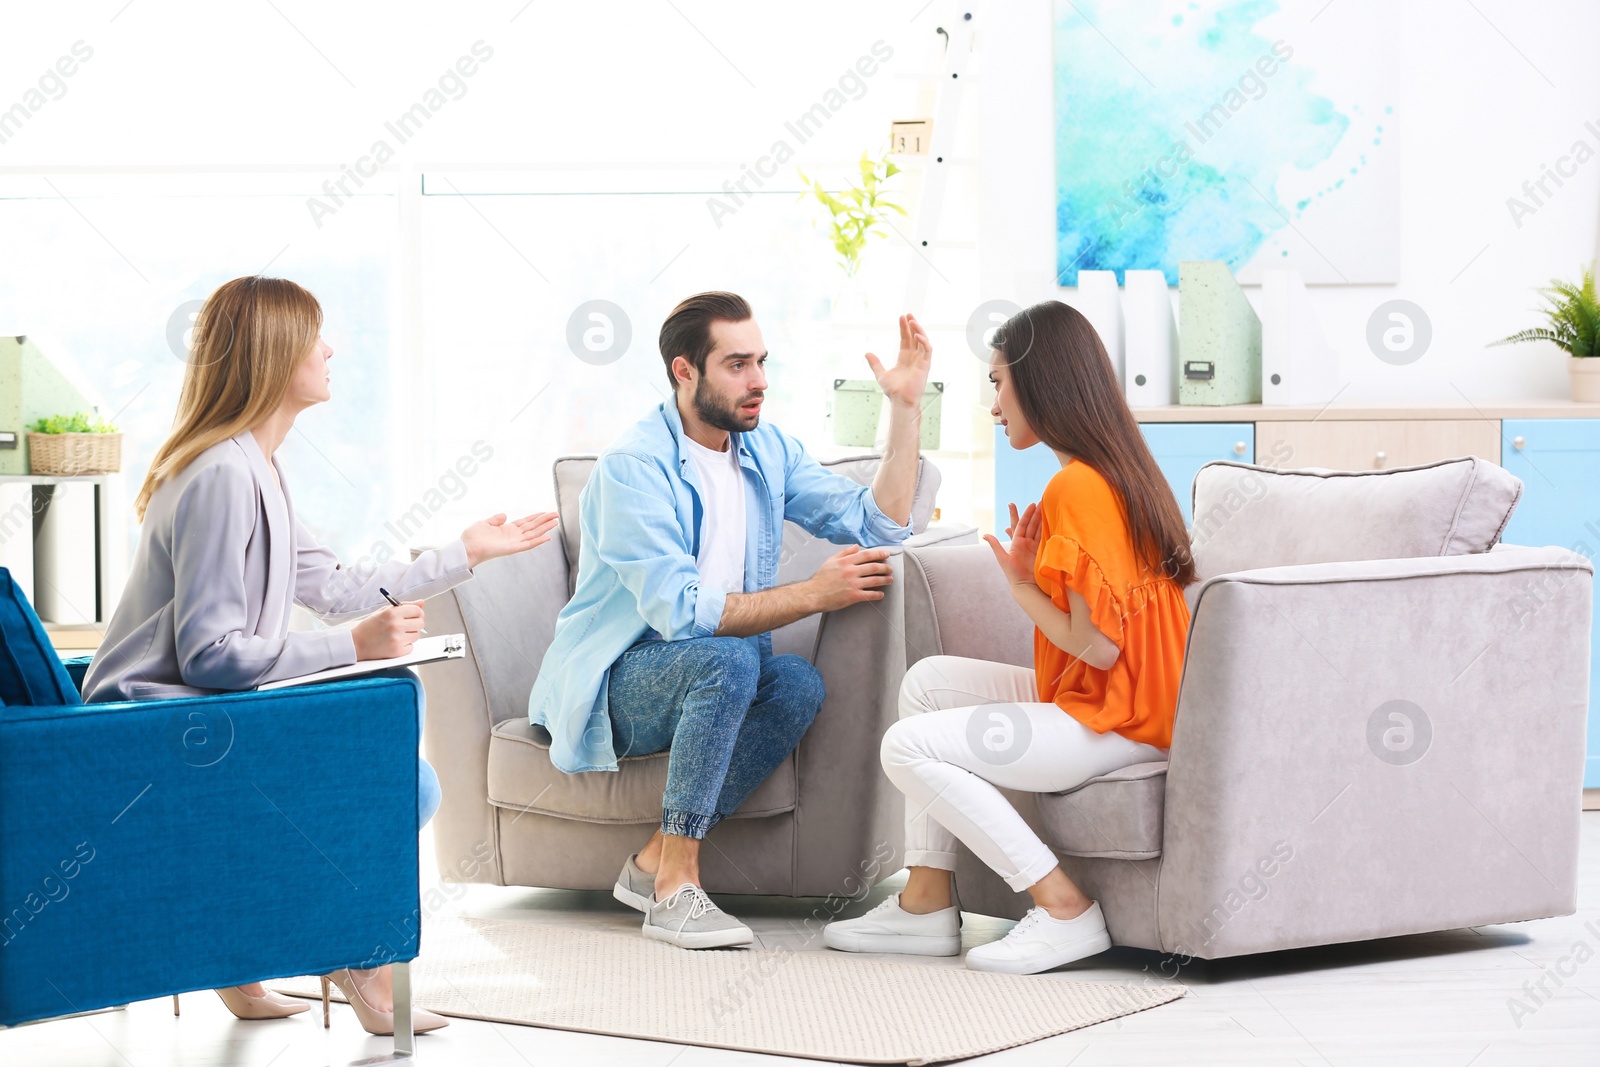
[[825, 822], [1380, 727]]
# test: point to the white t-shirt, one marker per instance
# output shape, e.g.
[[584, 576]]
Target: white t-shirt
[[721, 556]]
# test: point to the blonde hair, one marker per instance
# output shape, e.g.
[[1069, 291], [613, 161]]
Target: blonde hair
[[249, 337]]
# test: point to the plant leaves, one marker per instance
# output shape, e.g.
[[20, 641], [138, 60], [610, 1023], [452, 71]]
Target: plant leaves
[[1572, 314], [1538, 333], [858, 212], [81, 422]]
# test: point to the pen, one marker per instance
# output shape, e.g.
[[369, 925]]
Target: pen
[[390, 598]]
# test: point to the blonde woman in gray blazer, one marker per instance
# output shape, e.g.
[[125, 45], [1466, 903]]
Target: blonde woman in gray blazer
[[222, 558]]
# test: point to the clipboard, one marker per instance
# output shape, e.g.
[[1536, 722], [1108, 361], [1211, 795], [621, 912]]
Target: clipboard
[[426, 650]]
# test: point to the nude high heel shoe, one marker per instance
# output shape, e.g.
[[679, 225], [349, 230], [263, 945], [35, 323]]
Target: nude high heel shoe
[[268, 1006], [379, 1023]]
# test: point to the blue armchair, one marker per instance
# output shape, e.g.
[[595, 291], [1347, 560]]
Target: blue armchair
[[157, 847]]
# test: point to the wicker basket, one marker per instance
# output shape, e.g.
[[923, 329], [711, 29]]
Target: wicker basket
[[67, 454]]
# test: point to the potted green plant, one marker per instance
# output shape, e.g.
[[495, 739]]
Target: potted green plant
[[68, 445], [1573, 316], [860, 212]]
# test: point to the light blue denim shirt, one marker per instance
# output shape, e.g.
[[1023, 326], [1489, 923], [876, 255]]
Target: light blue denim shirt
[[640, 524]]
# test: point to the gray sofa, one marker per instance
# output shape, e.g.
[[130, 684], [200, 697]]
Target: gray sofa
[[825, 822], [1380, 726]]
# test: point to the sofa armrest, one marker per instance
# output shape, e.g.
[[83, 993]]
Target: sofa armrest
[[942, 534], [849, 809], [158, 847], [1376, 748], [77, 667], [508, 612], [958, 604]]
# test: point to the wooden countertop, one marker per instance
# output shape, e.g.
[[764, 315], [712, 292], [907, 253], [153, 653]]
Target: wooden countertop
[[1339, 410], [75, 640]]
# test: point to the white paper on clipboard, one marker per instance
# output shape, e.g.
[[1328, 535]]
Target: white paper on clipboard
[[426, 650]]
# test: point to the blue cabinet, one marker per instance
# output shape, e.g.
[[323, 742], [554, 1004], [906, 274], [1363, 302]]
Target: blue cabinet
[[1556, 460], [1180, 449]]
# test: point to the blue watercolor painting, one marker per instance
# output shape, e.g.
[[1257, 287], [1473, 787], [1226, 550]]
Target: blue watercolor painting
[[1194, 131]]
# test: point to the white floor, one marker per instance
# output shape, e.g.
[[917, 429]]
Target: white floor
[[1430, 999]]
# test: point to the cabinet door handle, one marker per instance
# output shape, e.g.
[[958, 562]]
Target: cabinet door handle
[[1239, 448], [1518, 441], [1382, 457]]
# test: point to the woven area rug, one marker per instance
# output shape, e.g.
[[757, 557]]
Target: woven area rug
[[815, 1004]]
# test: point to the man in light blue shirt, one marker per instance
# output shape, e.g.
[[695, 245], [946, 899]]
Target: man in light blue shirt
[[666, 642]]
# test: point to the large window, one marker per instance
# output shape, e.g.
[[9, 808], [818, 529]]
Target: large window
[[480, 329], [542, 313], [113, 267], [542, 304]]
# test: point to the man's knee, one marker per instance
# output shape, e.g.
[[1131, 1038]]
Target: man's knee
[[730, 661], [798, 682]]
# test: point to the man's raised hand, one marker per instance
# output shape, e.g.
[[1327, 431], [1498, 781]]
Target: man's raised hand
[[904, 382]]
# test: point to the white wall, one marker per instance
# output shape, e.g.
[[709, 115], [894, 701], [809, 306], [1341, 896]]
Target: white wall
[[1477, 119], [620, 81]]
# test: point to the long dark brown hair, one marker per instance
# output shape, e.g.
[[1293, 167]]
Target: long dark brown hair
[[1068, 392]]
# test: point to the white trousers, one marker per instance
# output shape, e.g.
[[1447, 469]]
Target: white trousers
[[969, 725]]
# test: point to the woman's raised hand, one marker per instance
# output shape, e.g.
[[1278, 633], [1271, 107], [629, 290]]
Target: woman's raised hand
[[494, 537], [1017, 559], [388, 633]]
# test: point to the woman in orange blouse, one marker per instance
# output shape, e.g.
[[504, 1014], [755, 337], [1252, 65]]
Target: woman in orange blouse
[[1099, 564]]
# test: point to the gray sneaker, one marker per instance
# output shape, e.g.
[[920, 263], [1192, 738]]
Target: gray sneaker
[[634, 888], [689, 919]]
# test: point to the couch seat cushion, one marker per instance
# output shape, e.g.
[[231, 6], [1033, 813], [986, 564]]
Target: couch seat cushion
[[1116, 815], [522, 777]]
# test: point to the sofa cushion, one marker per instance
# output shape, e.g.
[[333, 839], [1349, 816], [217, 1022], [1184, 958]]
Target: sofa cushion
[[571, 475], [1114, 816], [30, 668], [1246, 517], [522, 777]]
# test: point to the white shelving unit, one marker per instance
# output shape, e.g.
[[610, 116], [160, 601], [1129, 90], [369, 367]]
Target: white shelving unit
[[65, 544]]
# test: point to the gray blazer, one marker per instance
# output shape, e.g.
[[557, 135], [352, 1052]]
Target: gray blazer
[[220, 562]]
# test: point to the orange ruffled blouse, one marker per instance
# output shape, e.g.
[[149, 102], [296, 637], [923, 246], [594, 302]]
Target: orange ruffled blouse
[[1085, 545]]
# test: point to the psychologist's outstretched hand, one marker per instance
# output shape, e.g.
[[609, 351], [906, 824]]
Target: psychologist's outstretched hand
[[904, 382], [494, 537], [850, 576]]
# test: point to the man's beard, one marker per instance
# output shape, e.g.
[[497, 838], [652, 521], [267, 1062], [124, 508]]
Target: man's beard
[[714, 410]]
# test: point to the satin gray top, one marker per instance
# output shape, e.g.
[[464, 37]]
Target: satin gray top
[[221, 561]]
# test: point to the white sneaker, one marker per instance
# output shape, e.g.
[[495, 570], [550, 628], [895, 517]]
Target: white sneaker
[[890, 928], [1039, 942]]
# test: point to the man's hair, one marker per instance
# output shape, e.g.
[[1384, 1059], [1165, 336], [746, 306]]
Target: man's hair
[[687, 331]]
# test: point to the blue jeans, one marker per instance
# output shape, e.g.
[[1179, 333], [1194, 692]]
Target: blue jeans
[[728, 715], [428, 791]]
